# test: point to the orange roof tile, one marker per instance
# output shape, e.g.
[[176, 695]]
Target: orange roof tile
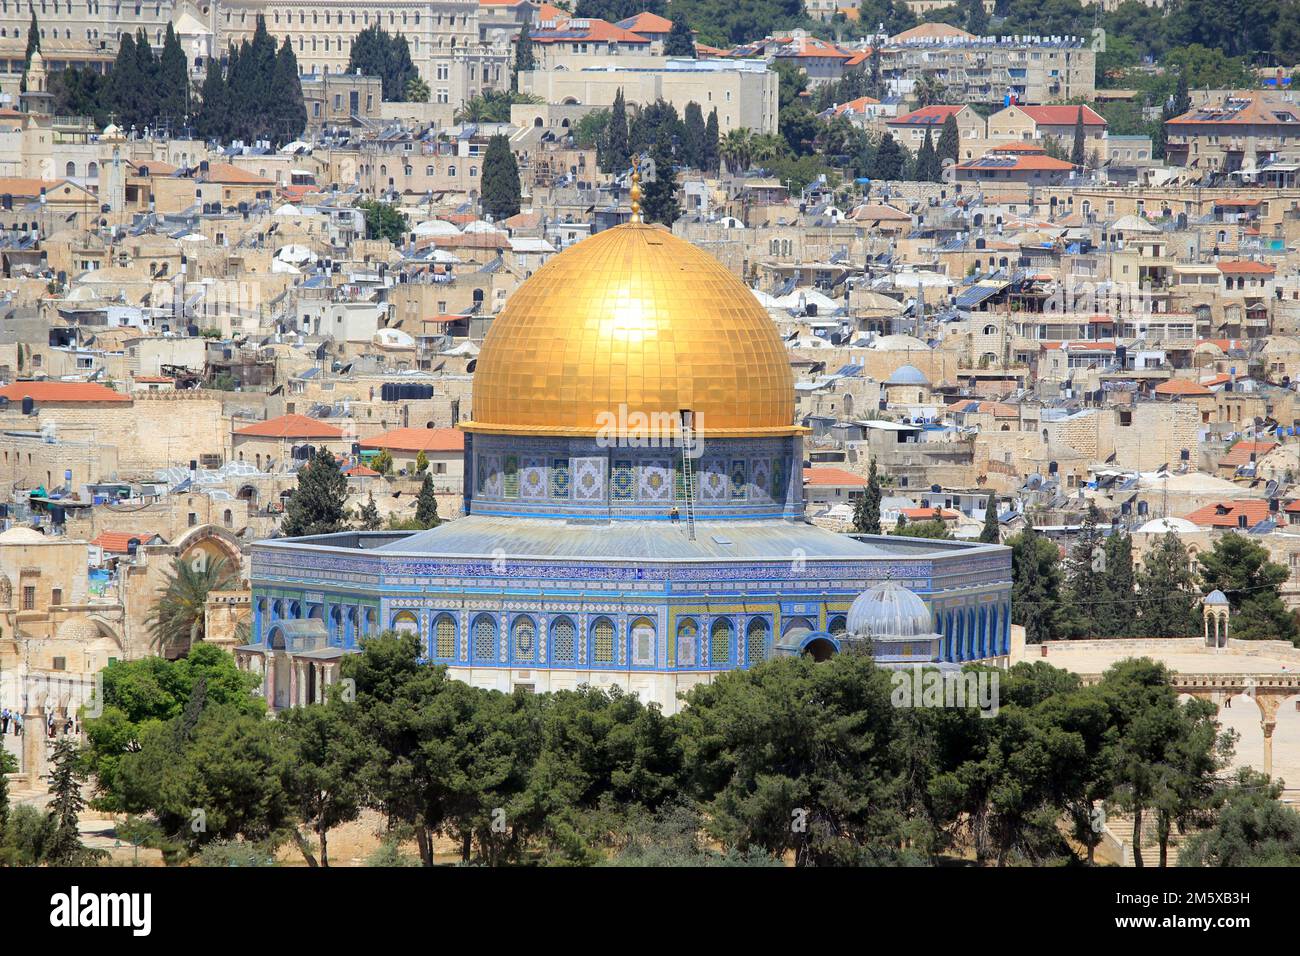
[[290, 426], [115, 542], [926, 116], [1240, 453], [418, 439], [1181, 386], [832, 477], [229, 173], [1062, 115], [646, 22], [928, 514], [50, 392], [360, 471], [1245, 266], [1228, 514]]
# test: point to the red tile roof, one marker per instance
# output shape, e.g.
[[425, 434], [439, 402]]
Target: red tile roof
[[290, 426], [926, 116], [1181, 386], [115, 542], [1239, 454], [360, 471], [418, 439], [1020, 162], [234, 176], [51, 392], [814, 48], [831, 477], [856, 106], [928, 514], [1228, 514], [594, 31], [646, 22], [1247, 266]]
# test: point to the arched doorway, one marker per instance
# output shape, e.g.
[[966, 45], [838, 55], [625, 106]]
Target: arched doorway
[[820, 647]]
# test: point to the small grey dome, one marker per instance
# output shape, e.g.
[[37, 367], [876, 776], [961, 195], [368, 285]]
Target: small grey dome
[[1216, 598], [907, 375], [889, 610]]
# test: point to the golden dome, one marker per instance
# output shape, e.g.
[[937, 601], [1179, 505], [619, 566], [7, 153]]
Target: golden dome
[[632, 320]]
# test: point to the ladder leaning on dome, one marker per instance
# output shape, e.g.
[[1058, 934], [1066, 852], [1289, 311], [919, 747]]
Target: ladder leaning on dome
[[688, 473]]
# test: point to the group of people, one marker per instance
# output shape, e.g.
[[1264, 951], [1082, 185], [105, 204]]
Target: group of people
[[12, 719]]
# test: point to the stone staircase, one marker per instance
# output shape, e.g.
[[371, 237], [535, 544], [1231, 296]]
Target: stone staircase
[[1119, 833]]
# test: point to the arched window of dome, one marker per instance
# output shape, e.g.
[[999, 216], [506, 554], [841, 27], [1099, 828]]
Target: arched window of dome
[[756, 641], [837, 625], [643, 641], [523, 637], [563, 640], [485, 638], [720, 643], [602, 641], [444, 637], [336, 624], [687, 642], [405, 622]]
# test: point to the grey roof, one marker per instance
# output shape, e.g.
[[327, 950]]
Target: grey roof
[[1216, 598], [483, 535]]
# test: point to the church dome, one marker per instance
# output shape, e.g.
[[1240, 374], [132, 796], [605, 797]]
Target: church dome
[[889, 610], [632, 318]]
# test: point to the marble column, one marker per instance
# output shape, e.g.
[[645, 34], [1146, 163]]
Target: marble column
[[293, 682], [270, 680]]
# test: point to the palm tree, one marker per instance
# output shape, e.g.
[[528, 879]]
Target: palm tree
[[930, 90], [176, 621], [736, 149], [417, 91], [767, 146]]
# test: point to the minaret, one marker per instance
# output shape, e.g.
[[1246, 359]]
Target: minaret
[[36, 97], [115, 189]]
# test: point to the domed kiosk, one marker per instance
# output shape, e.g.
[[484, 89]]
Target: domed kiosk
[[633, 506]]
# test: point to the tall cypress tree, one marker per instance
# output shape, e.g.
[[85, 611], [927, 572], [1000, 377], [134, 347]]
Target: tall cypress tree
[[926, 161], [286, 101], [317, 505], [1077, 155], [949, 141], [1115, 616], [711, 138], [212, 120], [524, 60], [1168, 597], [694, 135], [66, 803], [501, 189], [1084, 578], [659, 202], [426, 505], [149, 94], [123, 85], [680, 42], [173, 80], [33, 44], [990, 533], [866, 512], [616, 132]]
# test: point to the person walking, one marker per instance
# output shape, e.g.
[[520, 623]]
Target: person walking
[[4, 721]]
